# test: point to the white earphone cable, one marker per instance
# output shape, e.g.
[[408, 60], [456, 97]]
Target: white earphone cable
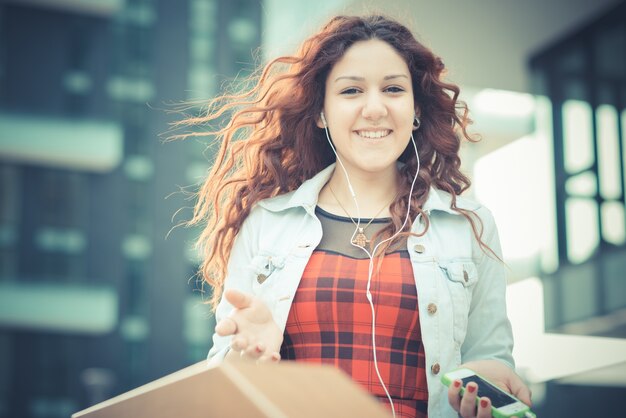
[[370, 256]]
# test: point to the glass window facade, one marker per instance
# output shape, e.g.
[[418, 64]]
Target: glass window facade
[[584, 76], [107, 234]]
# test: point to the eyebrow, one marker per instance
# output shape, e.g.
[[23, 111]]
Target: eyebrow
[[355, 78]]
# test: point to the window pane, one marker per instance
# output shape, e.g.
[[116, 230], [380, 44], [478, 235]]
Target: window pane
[[9, 194], [583, 184], [613, 228], [623, 131], [608, 157], [582, 228], [609, 47], [577, 134]]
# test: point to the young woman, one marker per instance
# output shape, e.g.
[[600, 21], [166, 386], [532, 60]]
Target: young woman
[[335, 228]]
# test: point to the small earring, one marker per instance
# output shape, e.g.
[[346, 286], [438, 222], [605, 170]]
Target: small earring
[[416, 123]]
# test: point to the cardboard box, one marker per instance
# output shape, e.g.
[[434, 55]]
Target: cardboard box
[[243, 389]]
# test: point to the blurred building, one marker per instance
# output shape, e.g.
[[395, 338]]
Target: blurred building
[[584, 76], [94, 300], [97, 287]]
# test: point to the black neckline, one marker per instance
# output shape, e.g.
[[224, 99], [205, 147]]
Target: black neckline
[[340, 218]]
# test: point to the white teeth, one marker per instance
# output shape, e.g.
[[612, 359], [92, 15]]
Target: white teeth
[[373, 134]]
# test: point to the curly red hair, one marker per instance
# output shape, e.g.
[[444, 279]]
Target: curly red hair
[[272, 144]]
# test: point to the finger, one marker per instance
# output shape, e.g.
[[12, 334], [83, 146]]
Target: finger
[[468, 402], [226, 326], [238, 299], [519, 389], [255, 351], [453, 395], [269, 358], [523, 394], [239, 343], [484, 408]]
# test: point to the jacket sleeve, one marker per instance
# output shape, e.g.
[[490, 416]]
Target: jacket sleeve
[[239, 277], [489, 334]]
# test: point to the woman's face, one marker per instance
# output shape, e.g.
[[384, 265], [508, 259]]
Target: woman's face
[[369, 107]]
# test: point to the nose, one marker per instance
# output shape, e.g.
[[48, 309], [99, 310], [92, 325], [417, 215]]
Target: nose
[[374, 107]]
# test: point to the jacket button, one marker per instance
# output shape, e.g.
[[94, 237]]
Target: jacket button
[[261, 278], [435, 368], [465, 276], [419, 248], [432, 308]]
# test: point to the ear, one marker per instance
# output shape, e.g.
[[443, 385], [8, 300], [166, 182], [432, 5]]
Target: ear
[[416, 120], [318, 121]]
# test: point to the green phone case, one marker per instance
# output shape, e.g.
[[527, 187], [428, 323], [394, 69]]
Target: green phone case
[[525, 413]]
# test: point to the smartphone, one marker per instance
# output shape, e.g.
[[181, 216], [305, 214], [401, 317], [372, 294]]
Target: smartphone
[[503, 404]]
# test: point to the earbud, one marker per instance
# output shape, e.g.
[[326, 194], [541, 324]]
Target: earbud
[[323, 118], [416, 123]]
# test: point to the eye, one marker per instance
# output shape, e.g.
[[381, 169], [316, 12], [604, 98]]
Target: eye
[[350, 91], [394, 89]]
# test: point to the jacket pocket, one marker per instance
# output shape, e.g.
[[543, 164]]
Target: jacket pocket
[[461, 276], [463, 272], [264, 268]]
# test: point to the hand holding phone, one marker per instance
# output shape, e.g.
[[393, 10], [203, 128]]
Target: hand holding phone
[[503, 404]]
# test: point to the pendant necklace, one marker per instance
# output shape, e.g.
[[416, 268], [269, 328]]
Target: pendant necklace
[[360, 238]]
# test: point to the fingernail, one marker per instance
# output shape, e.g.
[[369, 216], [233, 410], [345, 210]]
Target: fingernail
[[471, 389], [457, 383], [484, 403]]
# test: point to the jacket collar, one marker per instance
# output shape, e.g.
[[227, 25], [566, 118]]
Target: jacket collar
[[307, 194], [304, 196], [439, 200]]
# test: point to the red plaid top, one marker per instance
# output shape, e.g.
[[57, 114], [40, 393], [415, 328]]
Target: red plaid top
[[330, 322]]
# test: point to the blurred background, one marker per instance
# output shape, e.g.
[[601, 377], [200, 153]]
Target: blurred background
[[96, 297]]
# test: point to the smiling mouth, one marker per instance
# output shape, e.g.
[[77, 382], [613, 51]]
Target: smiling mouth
[[373, 134]]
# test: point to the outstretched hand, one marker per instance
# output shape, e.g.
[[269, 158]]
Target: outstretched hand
[[255, 334], [500, 375]]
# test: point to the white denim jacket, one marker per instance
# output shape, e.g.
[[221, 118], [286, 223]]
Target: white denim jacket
[[461, 290]]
